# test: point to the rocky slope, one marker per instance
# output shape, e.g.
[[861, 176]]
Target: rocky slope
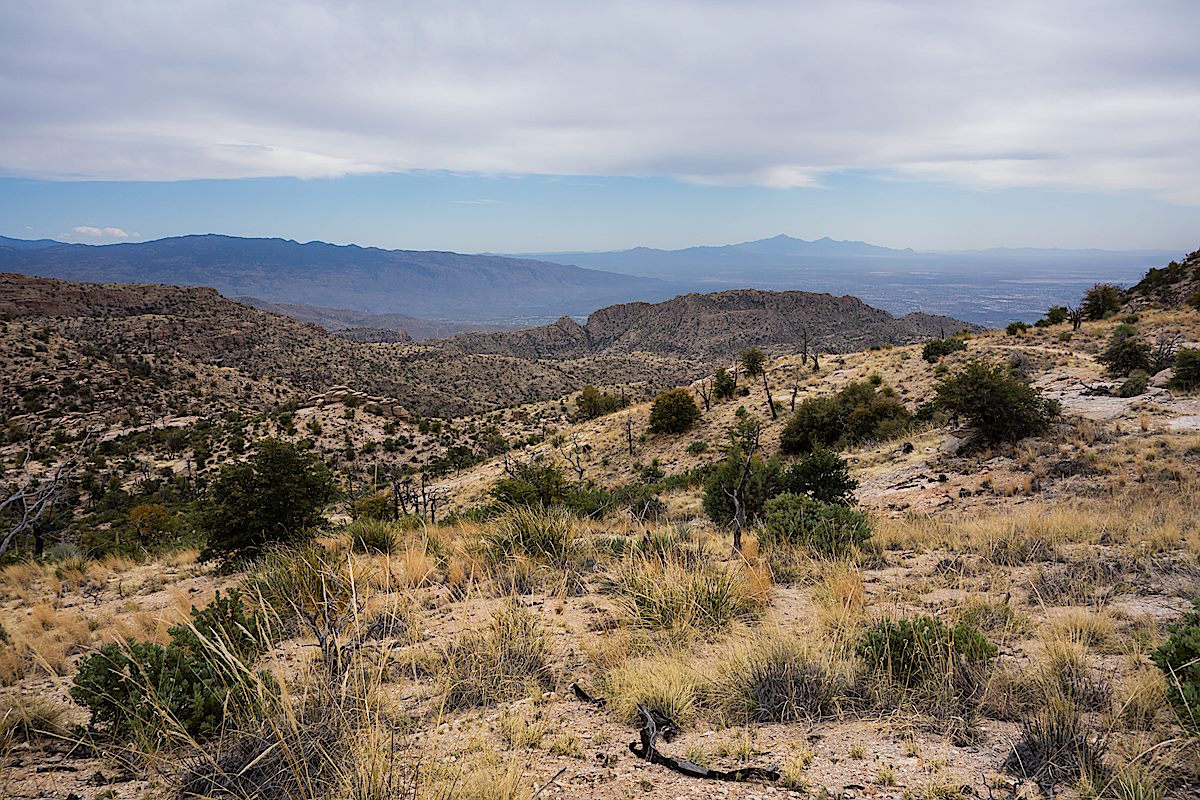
[[1172, 286], [715, 327]]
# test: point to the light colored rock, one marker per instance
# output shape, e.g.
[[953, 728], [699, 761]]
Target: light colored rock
[[1162, 378]]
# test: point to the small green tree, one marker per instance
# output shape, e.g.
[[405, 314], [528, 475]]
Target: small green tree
[[1125, 353], [277, 495], [1000, 406], [592, 403], [673, 412], [822, 475], [724, 384], [739, 486], [1057, 315], [936, 348], [753, 361], [1187, 368], [1100, 301]]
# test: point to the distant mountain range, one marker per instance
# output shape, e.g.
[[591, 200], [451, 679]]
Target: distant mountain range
[[361, 326], [344, 287], [436, 285]]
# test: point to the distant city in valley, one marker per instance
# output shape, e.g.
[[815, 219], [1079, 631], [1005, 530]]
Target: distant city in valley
[[337, 283]]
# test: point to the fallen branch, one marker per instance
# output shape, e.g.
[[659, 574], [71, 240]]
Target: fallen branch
[[653, 726]]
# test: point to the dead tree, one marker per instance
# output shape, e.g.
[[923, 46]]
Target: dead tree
[[770, 400], [26, 506], [629, 433], [816, 361], [574, 457], [705, 391], [1076, 317], [747, 438], [795, 389]]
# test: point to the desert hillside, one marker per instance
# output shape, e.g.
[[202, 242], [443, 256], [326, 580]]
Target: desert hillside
[[497, 605]]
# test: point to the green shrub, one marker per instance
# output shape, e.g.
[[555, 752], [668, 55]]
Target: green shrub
[[377, 506], [1056, 315], [1187, 368], [1125, 353], [145, 692], [936, 348], [1135, 384], [1179, 659], [724, 384], [857, 413], [827, 529], [922, 650], [822, 475], [1001, 406], [1102, 300], [673, 412], [753, 361], [277, 496], [1194, 300], [697, 447], [592, 403], [1016, 328], [4, 639]]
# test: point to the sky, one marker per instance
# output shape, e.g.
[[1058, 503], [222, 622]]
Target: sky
[[531, 126]]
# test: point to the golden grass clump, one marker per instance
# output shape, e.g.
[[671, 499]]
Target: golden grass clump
[[499, 663], [680, 599]]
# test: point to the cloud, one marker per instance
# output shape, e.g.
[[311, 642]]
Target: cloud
[[92, 232], [1073, 95]]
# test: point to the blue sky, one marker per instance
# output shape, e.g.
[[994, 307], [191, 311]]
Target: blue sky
[[538, 126]]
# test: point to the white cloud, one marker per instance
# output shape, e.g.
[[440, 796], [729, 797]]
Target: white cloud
[[1076, 94], [93, 232]]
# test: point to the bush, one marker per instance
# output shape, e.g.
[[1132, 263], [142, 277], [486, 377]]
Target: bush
[[592, 403], [378, 506], [1179, 659], [1001, 406], [827, 529], [1057, 315], [141, 691], [936, 348], [276, 497], [724, 384], [753, 361], [673, 412], [1187, 368], [1125, 353], [858, 412], [822, 475], [1056, 748], [781, 682], [1135, 384], [1100, 301], [1194, 300], [1016, 328], [922, 652]]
